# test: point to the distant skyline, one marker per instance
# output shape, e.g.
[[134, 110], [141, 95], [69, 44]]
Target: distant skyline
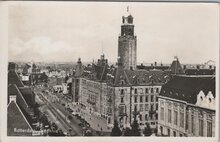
[[69, 30]]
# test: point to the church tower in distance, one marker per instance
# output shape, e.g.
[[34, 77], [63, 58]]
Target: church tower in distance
[[127, 44]]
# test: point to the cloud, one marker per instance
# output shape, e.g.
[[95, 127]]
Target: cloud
[[40, 49]]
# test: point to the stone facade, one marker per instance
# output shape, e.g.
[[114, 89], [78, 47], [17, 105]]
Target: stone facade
[[127, 44], [96, 97], [187, 107], [145, 102]]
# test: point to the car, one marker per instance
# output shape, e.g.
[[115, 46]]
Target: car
[[80, 124], [70, 110]]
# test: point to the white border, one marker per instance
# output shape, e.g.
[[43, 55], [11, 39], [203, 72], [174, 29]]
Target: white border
[[3, 92]]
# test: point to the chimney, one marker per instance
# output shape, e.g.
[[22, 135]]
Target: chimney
[[210, 67], [11, 66], [184, 67], [155, 63], [197, 67], [12, 98], [161, 64]]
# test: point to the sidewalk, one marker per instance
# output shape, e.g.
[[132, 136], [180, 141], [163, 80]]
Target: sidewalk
[[97, 123]]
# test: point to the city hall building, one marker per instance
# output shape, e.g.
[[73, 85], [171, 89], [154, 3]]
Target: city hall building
[[122, 92]]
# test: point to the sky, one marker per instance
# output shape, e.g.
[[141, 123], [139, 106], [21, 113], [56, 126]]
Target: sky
[[63, 32]]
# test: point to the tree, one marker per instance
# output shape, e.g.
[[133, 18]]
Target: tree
[[127, 132], [147, 130], [135, 130], [116, 130]]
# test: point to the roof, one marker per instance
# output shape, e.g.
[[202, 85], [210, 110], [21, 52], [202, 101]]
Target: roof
[[176, 67], [186, 88], [140, 77], [200, 71], [13, 78], [13, 90], [23, 103], [28, 95], [17, 120], [161, 67]]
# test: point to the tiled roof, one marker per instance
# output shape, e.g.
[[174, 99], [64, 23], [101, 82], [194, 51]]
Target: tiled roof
[[21, 100], [140, 77], [28, 95], [13, 78], [200, 71], [13, 90], [153, 67], [186, 88]]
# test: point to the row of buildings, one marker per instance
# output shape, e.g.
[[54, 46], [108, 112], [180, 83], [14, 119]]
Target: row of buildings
[[177, 100]]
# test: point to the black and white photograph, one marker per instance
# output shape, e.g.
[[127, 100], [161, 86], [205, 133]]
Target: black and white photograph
[[112, 69]]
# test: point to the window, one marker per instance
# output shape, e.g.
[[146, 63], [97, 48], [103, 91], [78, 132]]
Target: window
[[200, 127], [135, 90], [146, 90], [209, 128], [122, 109], [135, 108], [169, 115], [152, 107], [141, 99], [152, 90], [168, 132], [146, 98], [135, 99], [182, 119], [146, 117], [157, 90], [140, 116], [141, 90], [122, 91], [175, 117], [181, 135], [122, 99], [146, 107], [161, 113], [122, 82], [152, 98], [192, 124], [174, 133], [141, 107], [161, 129], [157, 106]]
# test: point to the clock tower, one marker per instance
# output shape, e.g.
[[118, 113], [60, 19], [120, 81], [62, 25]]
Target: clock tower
[[127, 44]]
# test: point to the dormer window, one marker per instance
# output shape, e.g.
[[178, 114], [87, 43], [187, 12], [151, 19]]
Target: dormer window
[[122, 82], [210, 100], [201, 98]]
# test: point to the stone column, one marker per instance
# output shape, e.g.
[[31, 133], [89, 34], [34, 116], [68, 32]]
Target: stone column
[[205, 124], [196, 128]]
